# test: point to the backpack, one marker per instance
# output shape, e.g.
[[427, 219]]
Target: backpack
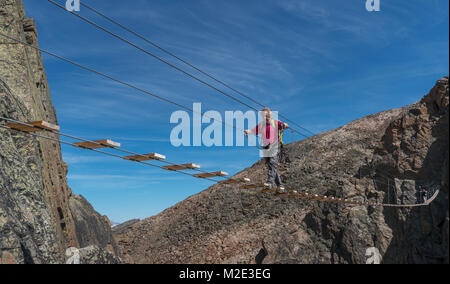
[[280, 132]]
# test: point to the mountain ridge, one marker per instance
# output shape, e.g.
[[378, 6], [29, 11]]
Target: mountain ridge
[[225, 224]]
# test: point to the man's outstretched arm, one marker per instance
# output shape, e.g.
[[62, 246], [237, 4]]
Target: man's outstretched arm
[[254, 131]]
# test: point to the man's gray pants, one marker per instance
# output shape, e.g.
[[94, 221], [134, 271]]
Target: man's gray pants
[[273, 177]]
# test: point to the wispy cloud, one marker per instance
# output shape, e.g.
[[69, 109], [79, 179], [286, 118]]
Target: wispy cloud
[[134, 139], [82, 159], [109, 177]]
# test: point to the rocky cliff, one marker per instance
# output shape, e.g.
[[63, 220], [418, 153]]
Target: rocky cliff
[[391, 156], [39, 216], [91, 227]]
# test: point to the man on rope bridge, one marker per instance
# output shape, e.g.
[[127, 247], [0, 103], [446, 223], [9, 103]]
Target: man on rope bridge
[[271, 132]]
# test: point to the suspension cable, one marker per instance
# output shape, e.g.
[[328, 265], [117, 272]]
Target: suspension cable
[[95, 150], [303, 195], [118, 81], [158, 58], [96, 11]]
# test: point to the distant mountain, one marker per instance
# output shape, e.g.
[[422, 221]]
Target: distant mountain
[[387, 157], [122, 226]]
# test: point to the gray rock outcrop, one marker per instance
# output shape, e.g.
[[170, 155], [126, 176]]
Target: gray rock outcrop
[[86, 218], [91, 255]]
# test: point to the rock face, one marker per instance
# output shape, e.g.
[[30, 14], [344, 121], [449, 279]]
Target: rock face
[[415, 150], [37, 213], [390, 156], [86, 218], [28, 230], [91, 255]]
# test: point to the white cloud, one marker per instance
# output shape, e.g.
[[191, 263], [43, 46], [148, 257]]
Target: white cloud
[[72, 159]]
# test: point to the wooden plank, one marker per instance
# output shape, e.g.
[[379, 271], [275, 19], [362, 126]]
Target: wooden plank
[[251, 186], [234, 181], [182, 167], [156, 156], [146, 157], [191, 166], [300, 195], [318, 197], [269, 190], [210, 175], [37, 126], [325, 198], [205, 175], [22, 127], [280, 193], [315, 197], [45, 125], [304, 195], [99, 144], [175, 168]]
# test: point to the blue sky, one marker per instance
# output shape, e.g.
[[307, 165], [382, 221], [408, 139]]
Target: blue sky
[[320, 63]]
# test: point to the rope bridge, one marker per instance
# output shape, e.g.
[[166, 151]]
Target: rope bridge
[[31, 128]]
